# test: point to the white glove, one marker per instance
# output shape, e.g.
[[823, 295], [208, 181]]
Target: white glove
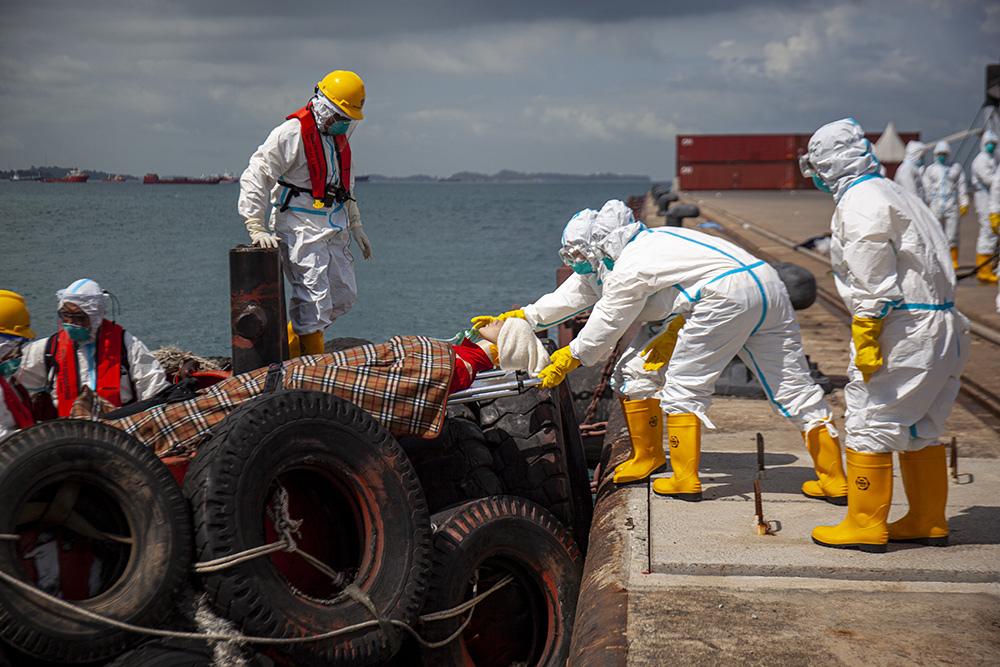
[[362, 240], [354, 222], [259, 234]]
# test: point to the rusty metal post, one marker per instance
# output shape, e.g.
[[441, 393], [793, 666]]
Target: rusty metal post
[[257, 308]]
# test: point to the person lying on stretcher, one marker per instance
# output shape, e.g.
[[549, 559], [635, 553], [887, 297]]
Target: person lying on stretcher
[[404, 383]]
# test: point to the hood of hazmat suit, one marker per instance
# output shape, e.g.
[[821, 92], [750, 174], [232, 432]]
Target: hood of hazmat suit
[[91, 299], [915, 151], [841, 156], [989, 137]]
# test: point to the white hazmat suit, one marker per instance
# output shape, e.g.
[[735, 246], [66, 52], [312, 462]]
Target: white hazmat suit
[[984, 166], [891, 263], [946, 193], [663, 273], [910, 172], [313, 235]]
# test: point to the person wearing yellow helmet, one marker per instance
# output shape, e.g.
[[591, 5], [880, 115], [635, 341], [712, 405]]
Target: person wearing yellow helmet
[[301, 180], [15, 331]]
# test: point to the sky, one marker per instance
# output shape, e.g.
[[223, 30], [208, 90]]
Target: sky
[[192, 87]]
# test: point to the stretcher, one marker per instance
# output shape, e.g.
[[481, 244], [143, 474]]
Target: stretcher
[[495, 384]]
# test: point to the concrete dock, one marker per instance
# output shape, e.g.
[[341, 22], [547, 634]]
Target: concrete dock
[[674, 583]]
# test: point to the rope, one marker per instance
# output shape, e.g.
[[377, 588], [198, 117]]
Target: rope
[[278, 512], [213, 636]]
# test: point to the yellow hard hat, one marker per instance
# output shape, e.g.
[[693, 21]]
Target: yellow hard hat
[[346, 90], [14, 318]]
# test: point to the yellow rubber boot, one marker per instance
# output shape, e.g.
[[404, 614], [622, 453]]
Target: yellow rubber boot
[[925, 481], [312, 343], [954, 257], [985, 273], [684, 433], [631, 442], [825, 452], [294, 344], [645, 428], [869, 494]]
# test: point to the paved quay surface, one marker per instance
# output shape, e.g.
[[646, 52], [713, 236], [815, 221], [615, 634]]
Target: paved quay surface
[[674, 583]]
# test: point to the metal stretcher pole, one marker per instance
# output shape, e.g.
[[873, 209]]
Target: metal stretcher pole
[[495, 384]]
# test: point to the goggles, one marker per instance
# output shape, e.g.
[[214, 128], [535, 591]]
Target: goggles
[[572, 255], [73, 317]]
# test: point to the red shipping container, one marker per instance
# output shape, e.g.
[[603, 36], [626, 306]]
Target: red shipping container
[[740, 176], [737, 147]]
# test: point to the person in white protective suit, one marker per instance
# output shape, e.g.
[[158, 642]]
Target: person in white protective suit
[[946, 193], [90, 351], [909, 344], [701, 301], [984, 166], [304, 169], [910, 172]]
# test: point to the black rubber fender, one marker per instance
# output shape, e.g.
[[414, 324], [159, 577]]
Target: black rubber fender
[[119, 487], [364, 514], [456, 466], [799, 282], [530, 620], [524, 433]]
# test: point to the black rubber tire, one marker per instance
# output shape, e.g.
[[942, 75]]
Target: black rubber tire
[[124, 489], [366, 515], [530, 620], [177, 653], [456, 466], [524, 433]]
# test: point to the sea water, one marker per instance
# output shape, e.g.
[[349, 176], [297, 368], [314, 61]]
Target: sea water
[[442, 253]]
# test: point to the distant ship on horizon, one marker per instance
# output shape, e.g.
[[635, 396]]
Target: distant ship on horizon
[[74, 176], [180, 180]]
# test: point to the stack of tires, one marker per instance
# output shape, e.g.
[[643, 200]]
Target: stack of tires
[[91, 516]]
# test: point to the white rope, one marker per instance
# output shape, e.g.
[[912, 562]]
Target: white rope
[[122, 625], [286, 526]]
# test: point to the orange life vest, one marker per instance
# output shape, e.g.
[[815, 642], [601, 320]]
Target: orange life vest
[[110, 349], [316, 157]]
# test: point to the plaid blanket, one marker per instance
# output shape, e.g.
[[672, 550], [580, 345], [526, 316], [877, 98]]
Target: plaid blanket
[[402, 383]]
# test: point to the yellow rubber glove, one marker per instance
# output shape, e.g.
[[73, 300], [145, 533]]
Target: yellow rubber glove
[[962, 210], [658, 351], [563, 362], [995, 222], [867, 353], [483, 320]]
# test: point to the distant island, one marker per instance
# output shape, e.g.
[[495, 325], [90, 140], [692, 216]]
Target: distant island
[[509, 176], [503, 176]]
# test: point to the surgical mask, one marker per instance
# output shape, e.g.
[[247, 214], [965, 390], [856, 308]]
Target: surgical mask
[[583, 268], [76, 334], [990, 147], [942, 158], [820, 185], [339, 128], [609, 263], [10, 366]]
